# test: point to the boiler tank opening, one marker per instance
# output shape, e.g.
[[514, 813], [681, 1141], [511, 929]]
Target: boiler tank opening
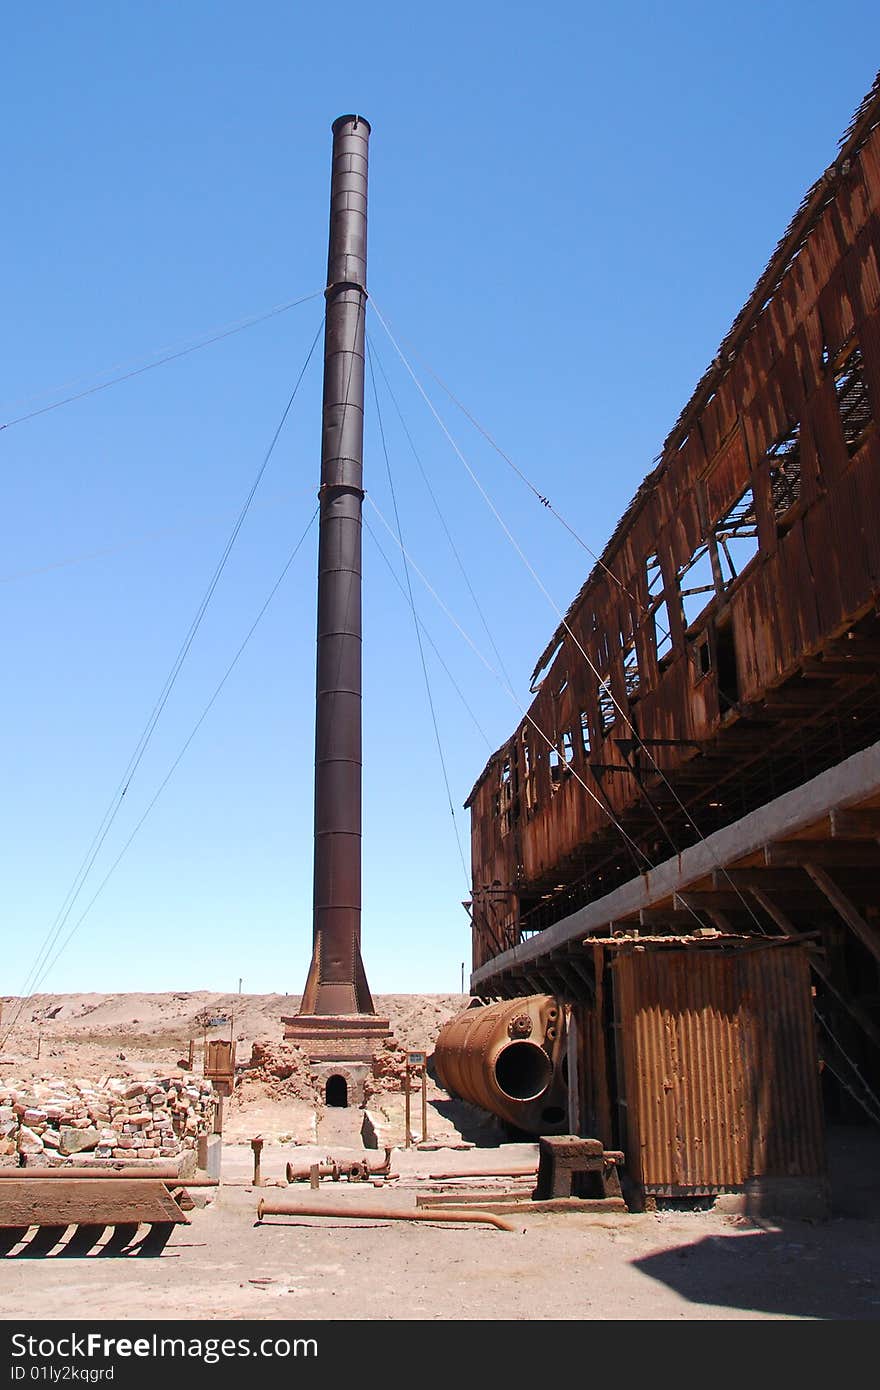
[[523, 1071]]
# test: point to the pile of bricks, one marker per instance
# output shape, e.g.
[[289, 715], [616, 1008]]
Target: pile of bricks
[[115, 1118]]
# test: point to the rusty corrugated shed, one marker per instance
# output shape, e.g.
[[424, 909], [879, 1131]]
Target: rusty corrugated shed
[[717, 1067]]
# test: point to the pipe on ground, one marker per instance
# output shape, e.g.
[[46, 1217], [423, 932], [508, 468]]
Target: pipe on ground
[[379, 1214]]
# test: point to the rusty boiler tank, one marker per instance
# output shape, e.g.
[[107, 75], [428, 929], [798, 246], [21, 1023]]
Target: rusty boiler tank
[[507, 1058]]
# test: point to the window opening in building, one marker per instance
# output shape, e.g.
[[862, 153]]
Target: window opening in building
[[736, 536], [529, 775], [631, 677], [696, 584], [607, 707], [703, 655], [657, 610], [853, 401], [785, 471]]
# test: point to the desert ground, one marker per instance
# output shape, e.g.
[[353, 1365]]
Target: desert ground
[[672, 1264]]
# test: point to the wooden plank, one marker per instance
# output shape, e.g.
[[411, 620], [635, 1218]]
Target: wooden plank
[[831, 853], [91, 1202], [868, 935]]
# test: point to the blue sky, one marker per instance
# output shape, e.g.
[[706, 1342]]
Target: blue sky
[[567, 210]]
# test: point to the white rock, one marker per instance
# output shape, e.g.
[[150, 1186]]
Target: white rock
[[29, 1142]]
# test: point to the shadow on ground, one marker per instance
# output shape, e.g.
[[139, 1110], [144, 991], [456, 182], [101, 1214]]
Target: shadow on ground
[[826, 1270], [474, 1126], [53, 1242], [784, 1272]]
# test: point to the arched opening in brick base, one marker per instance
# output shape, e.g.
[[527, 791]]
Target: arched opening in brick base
[[336, 1091]]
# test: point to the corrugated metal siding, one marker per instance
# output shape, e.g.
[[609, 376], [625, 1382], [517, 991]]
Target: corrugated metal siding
[[718, 1067]]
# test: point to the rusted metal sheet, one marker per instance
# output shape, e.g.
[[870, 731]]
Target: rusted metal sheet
[[220, 1061], [718, 1068], [750, 547]]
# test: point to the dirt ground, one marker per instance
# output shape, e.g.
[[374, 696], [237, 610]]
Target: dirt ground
[[226, 1264]]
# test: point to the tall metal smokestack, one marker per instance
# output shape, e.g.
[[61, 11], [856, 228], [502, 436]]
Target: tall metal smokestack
[[337, 983]]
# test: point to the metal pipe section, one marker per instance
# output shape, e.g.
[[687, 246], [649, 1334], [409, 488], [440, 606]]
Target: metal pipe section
[[527, 1172], [357, 1170], [507, 1059], [337, 983], [370, 1213]]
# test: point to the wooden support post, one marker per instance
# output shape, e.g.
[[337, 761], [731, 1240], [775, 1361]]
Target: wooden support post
[[572, 1046], [600, 1068], [406, 1142]]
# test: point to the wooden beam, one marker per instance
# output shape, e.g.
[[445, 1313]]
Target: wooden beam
[[800, 891], [813, 667], [807, 697], [860, 648], [769, 880], [578, 964], [831, 853], [855, 825], [545, 974], [711, 900], [573, 982], [868, 935], [87, 1201], [774, 911], [665, 917]]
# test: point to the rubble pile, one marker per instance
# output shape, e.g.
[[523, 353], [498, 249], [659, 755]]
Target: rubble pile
[[283, 1068], [388, 1070], [113, 1118]]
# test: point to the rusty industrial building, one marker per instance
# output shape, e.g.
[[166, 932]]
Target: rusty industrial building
[[681, 839]]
